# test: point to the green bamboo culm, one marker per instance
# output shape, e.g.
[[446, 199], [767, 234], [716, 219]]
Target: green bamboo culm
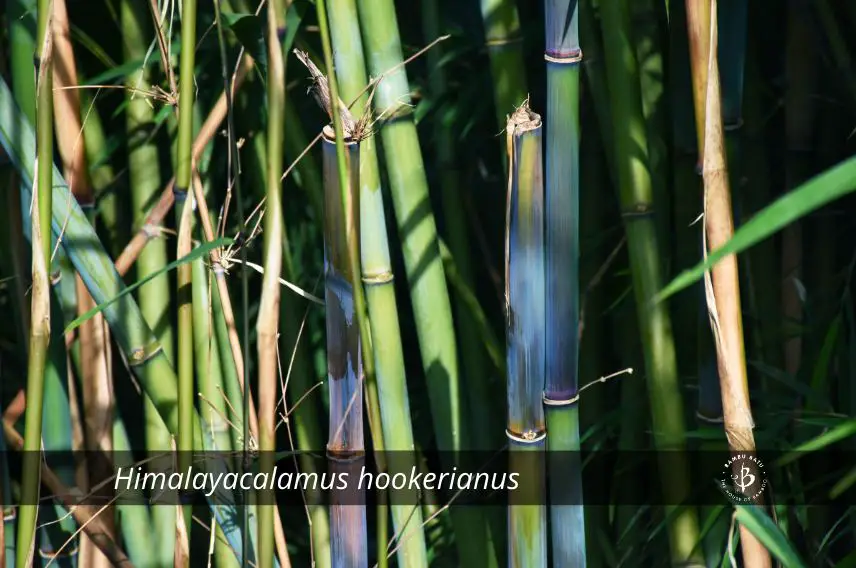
[[635, 196], [186, 393], [144, 176], [420, 249], [561, 178], [415, 220], [474, 365], [212, 409], [184, 273], [267, 325], [525, 307], [504, 44], [377, 277], [40, 310]]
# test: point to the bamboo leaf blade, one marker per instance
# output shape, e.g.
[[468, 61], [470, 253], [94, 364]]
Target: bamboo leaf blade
[[199, 252], [763, 527], [822, 189]]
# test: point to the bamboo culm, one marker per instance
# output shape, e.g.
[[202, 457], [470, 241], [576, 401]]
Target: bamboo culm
[[378, 280], [525, 306], [635, 196], [345, 445], [40, 312], [562, 171]]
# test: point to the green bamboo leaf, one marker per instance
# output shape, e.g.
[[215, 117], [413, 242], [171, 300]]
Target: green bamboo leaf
[[295, 14], [841, 432], [194, 254], [248, 28], [118, 72], [763, 527], [834, 183]]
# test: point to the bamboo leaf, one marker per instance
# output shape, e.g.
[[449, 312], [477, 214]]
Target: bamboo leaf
[[198, 252], [815, 193], [841, 432], [763, 527], [248, 29]]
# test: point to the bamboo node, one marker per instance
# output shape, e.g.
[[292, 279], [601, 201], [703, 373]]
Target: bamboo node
[[503, 41], [638, 210], [151, 230], [562, 59], [179, 193], [51, 554], [709, 419], [380, 278], [561, 402], [732, 126], [10, 514], [142, 355], [528, 437]]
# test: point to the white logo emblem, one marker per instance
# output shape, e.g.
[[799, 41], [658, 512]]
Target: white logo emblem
[[743, 478]]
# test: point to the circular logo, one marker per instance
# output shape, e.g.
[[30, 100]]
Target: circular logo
[[743, 479]]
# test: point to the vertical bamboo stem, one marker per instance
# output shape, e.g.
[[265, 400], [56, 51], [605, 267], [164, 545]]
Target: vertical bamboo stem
[[561, 315], [698, 30], [267, 325], [40, 311], [504, 43], [93, 337], [145, 175], [307, 423], [635, 196], [342, 262], [525, 316], [415, 221], [345, 446], [184, 165], [377, 277], [724, 289]]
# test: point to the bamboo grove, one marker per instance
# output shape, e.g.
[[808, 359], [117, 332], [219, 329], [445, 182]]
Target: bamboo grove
[[593, 254]]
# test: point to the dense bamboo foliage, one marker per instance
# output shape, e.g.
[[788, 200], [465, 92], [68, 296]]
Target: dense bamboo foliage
[[672, 196]]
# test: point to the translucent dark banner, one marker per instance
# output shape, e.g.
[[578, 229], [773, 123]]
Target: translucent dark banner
[[466, 479]]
